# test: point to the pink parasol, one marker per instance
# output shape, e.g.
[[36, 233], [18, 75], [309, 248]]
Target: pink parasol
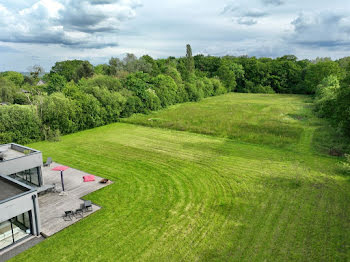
[[60, 168]]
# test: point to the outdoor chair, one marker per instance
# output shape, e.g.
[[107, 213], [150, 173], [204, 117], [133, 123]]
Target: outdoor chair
[[48, 161], [79, 212], [87, 205], [68, 215]]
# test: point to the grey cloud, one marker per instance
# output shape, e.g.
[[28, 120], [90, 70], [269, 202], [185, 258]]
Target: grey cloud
[[73, 23], [327, 29], [244, 15], [273, 2], [255, 13], [96, 16], [246, 21]]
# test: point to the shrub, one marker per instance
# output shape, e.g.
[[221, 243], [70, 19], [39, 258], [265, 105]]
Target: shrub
[[208, 88], [218, 87], [261, 89], [59, 113], [19, 124], [166, 89], [194, 94]]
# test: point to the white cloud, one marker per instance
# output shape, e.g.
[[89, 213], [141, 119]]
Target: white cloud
[[67, 22]]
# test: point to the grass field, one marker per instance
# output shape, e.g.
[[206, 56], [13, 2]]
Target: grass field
[[183, 196]]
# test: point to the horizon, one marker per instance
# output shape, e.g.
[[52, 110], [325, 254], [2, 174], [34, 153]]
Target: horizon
[[46, 31]]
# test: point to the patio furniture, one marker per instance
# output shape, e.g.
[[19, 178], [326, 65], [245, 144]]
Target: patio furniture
[[87, 205], [89, 178], [48, 161], [68, 215], [104, 181], [79, 212]]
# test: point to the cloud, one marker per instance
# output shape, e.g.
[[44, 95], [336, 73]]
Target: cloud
[[254, 12], [273, 2], [74, 23], [325, 29], [246, 21], [244, 15]]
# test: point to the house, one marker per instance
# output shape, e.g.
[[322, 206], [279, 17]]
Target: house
[[20, 178], [40, 83]]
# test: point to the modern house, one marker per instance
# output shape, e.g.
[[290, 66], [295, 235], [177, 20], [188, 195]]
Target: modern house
[[20, 178]]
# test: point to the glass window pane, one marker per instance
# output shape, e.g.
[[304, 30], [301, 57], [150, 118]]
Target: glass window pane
[[20, 230], [5, 234]]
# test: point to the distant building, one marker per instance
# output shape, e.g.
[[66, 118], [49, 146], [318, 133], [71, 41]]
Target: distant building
[[40, 83], [25, 91]]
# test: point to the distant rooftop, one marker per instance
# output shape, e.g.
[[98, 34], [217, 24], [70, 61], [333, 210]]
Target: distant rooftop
[[10, 189]]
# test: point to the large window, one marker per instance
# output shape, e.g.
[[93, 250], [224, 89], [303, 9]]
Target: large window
[[30, 176], [15, 229]]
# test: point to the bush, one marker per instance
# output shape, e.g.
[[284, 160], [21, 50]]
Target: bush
[[194, 94], [218, 87], [208, 88], [7, 90], [59, 113], [346, 164], [19, 124], [166, 90], [261, 89], [109, 82]]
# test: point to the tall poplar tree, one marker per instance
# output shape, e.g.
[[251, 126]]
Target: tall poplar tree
[[189, 63]]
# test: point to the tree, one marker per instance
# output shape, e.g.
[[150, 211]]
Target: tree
[[36, 71], [14, 77], [7, 90], [115, 65], [68, 69], [56, 83], [152, 63], [59, 113], [19, 124], [326, 96], [85, 70], [102, 69], [189, 59], [315, 73], [188, 69], [166, 89], [228, 72]]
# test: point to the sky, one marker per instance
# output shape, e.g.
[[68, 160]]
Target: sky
[[34, 32]]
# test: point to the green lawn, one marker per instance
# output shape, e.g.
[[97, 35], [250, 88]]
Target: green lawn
[[276, 120], [181, 196]]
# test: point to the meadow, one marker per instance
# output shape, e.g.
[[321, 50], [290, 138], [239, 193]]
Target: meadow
[[247, 183]]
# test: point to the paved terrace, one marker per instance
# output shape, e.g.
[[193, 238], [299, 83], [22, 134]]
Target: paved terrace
[[10, 153], [52, 205]]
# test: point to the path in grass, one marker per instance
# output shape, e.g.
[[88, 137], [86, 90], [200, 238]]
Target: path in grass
[[180, 196]]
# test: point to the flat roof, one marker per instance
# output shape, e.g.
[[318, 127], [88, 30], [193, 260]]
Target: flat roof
[[13, 151], [10, 189]]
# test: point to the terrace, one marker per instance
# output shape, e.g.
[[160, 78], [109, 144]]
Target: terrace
[[9, 189], [53, 205], [14, 151], [14, 159]]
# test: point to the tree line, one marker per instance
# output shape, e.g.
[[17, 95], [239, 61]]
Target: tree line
[[76, 95]]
